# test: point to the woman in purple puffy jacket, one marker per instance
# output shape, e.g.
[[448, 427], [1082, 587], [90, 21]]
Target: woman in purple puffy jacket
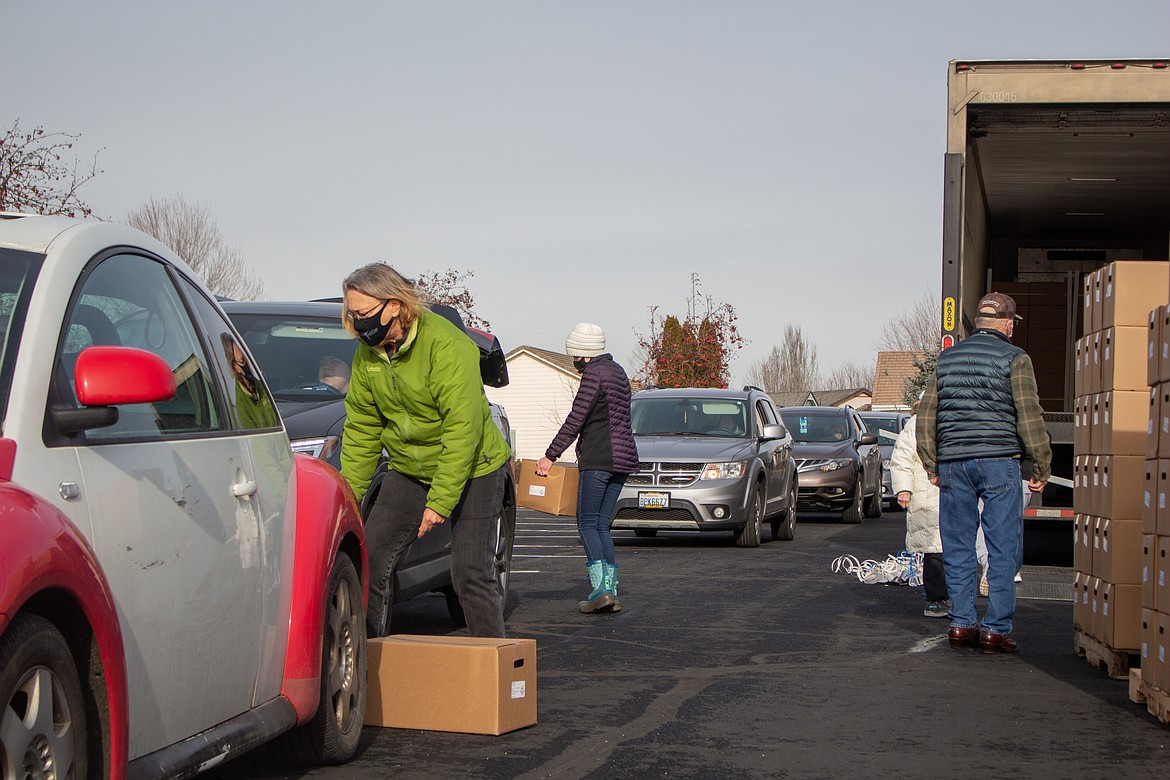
[[606, 455]]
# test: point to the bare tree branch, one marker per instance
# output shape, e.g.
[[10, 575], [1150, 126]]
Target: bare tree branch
[[850, 375], [791, 366], [189, 230], [33, 176], [450, 287], [916, 330]]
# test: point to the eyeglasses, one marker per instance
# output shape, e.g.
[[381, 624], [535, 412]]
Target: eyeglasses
[[370, 312]]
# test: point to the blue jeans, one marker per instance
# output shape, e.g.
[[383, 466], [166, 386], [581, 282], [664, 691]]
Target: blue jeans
[[597, 495], [962, 484]]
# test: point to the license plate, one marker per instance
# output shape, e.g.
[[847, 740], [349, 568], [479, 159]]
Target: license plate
[[653, 500]]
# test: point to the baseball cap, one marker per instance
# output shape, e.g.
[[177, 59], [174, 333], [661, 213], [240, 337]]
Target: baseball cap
[[999, 306]]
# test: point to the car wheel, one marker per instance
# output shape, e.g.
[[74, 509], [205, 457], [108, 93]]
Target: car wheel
[[646, 533], [505, 539], [853, 513], [873, 507], [784, 529], [749, 535], [42, 723], [331, 737]]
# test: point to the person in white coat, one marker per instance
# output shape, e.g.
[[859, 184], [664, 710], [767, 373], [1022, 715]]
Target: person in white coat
[[919, 498]]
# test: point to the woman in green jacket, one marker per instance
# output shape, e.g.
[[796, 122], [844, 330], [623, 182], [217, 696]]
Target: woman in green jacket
[[415, 391]]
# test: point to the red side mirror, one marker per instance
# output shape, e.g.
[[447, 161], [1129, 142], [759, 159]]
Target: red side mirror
[[108, 376]]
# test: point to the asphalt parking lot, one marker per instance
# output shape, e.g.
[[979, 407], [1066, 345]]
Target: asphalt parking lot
[[762, 663]]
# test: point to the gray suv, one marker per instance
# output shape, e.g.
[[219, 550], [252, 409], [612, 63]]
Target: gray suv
[[711, 460]]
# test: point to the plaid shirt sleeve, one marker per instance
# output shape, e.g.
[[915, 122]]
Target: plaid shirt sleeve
[[1029, 418], [927, 420]]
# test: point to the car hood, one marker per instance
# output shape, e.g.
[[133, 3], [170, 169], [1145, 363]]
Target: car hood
[[312, 420], [709, 449], [811, 450]]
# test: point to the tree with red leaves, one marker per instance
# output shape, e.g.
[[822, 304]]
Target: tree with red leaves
[[693, 352]]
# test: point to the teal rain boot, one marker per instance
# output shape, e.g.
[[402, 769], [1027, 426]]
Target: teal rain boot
[[600, 597], [611, 583]]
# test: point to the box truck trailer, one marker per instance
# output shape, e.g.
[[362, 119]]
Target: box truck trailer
[[1053, 170]]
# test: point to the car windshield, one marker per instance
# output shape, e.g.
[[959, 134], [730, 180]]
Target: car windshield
[[806, 427], [689, 417], [18, 271], [303, 359], [885, 428]]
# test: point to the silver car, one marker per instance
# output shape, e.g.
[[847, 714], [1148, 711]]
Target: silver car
[[710, 460]]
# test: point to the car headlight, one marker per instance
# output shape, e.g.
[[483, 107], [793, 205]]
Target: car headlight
[[835, 463], [321, 447], [723, 470]]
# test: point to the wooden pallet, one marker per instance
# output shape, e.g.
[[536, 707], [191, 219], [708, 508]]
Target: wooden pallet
[[1156, 700], [1102, 656]]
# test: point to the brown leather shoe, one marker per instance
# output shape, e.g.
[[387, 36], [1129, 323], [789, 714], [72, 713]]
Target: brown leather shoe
[[960, 638], [996, 643]]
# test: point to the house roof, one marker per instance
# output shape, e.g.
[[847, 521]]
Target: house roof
[[893, 369], [557, 360], [794, 398], [838, 397]]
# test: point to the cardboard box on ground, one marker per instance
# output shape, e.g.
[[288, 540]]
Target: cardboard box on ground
[[475, 685], [555, 494]]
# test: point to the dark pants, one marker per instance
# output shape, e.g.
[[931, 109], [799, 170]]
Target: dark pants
[[394, 524], [934, 577], [597, 495]]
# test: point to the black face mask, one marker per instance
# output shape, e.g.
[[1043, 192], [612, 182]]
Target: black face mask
[[579, 364], [370, 329]]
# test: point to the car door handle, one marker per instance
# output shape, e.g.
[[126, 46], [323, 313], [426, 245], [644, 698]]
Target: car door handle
[[244, 489]]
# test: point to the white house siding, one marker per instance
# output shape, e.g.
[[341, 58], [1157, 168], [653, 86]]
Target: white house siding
[[537, 399]]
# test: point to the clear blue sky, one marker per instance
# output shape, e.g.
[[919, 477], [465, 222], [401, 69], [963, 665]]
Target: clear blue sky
[[582, 158]]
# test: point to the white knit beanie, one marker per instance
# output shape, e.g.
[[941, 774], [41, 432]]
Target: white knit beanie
[[585, 340]]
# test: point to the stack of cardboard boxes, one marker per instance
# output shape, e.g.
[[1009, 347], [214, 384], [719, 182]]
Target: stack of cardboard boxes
[[1119, 457]]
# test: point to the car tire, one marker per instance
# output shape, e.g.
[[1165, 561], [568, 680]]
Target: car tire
[[505, 539], [749, 535], [784, 529], [873, 507], [853, 512], [645, 533], [332, 736], [36, 668]]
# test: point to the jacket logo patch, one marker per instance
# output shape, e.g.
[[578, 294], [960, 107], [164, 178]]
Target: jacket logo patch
[[373, 369]]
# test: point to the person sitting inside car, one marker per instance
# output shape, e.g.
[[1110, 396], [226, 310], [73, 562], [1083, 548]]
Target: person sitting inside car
[[839, 432], [334, 372]]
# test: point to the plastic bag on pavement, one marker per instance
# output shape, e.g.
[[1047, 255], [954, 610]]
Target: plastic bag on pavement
[[905, 568]]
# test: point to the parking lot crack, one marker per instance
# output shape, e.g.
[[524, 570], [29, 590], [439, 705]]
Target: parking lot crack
[[587, 754]]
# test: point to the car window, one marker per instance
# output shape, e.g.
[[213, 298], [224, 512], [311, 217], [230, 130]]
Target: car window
[[885, 428], [130, 301], [688, 416], [815, 427], [303, 358], [765, 415], [239, 378], [18, 271]]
